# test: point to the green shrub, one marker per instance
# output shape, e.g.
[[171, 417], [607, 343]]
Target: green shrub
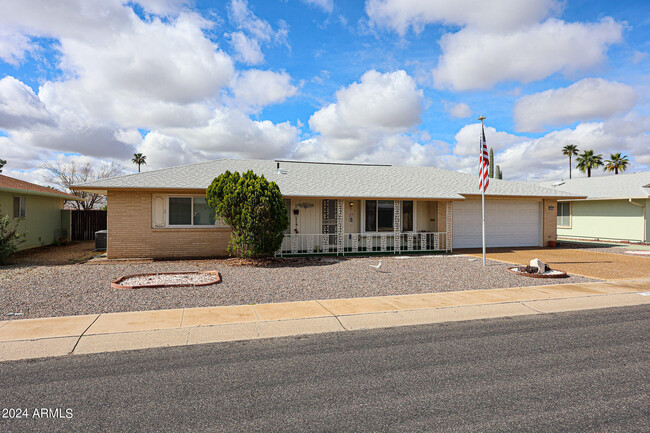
[[9, 238], [253, 208]]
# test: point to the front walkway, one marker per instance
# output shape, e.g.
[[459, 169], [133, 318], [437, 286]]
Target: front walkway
[[59, 336], [590, 264]]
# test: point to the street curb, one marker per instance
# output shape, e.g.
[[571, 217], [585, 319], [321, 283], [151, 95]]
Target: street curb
[[164, 328]]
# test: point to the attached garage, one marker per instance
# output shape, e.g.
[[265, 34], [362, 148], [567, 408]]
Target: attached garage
[[508, 223]]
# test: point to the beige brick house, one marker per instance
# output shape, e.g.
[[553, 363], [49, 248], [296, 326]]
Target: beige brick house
[[333, 209]]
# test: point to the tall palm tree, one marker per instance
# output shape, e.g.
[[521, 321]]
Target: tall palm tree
[[616, 163], [139, 159], [570, 150], [587, 160]]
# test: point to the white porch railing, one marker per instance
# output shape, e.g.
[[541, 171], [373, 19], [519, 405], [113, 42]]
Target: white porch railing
[[375, 242]]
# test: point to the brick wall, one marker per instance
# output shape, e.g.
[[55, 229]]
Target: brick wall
[[549, 230], [130, 233]]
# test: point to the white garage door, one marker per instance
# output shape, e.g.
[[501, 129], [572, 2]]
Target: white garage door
[[507, 223]]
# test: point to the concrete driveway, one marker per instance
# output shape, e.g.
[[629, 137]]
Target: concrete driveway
[[592, 264]]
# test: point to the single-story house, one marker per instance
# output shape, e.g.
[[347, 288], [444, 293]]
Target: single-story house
[[38, 208], [333, 208], [616, 208]]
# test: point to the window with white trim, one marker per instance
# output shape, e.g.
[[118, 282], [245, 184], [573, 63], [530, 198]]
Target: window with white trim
[[380, 215], [564, 214], [189, 211], [19, 207]]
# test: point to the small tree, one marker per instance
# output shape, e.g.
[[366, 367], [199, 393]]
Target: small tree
[[9, 238], [2, 164], [65, 175], [253, 208]]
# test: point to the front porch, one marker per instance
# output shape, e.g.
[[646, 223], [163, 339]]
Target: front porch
[[337, 226]]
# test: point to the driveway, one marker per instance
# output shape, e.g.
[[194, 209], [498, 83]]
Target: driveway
[[591, 264]]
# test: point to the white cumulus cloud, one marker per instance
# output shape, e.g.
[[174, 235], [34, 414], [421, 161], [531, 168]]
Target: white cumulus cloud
[[477, 60], [255, 89], [367, 111], [326, 5], [496, 15], [459, 110], [587, 99]]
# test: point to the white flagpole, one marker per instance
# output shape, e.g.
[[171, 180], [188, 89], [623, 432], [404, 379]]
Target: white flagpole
[[482, 191]]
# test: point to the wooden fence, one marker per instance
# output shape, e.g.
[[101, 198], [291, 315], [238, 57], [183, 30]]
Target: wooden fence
[[84, 224]]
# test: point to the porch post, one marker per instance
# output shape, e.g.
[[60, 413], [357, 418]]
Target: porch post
[[449, 224], [339, 227], [397, 225]]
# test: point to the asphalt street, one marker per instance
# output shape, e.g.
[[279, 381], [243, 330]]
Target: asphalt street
[[580, 372]]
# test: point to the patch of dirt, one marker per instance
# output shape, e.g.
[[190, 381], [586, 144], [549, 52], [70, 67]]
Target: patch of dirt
[[50, 255]]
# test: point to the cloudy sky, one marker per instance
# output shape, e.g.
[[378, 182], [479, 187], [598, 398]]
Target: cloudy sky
[[390, 81]]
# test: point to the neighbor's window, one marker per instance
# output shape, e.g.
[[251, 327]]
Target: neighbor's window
[[190, 211], [564, 214], [19, 207]]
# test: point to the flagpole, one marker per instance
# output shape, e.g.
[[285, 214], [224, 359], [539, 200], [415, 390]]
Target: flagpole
[[482, 194]]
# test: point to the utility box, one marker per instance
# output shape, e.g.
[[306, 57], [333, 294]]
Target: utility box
[[100, 240]]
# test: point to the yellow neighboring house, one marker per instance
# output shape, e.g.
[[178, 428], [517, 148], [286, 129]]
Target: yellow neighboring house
[[38, 208]]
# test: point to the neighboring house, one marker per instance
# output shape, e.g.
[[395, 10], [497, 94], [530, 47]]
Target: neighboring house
[[39, 209], [333, 208], [616, 208]]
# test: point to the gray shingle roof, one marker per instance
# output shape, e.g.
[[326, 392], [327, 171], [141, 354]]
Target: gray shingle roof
[[305, 179], [632, 185]]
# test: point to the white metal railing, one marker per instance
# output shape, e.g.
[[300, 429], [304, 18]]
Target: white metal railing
[[375, 242]]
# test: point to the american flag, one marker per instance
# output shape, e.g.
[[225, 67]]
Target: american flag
[[484, 162]]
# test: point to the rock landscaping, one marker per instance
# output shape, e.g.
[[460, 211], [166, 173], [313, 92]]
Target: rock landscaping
[[176, 279], [43, 291]]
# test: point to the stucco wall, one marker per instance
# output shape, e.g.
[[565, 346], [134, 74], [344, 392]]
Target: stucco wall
[[42, 221], [605, 219], [130, 232]]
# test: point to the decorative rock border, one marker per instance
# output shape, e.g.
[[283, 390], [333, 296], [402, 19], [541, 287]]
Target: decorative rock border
[[117, 283], [552, 274]]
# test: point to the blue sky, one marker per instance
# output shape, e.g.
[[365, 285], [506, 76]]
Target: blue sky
[[388, 81]]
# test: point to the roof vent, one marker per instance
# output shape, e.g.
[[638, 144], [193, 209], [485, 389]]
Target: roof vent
[[558, 183], [281, 171]]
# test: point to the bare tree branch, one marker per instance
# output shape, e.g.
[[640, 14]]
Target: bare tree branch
[[64, 175]]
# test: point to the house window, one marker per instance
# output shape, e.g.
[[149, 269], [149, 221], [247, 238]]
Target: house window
[[371, 215], [407, 215], [190, 211], [379, 215], [564, 214], [19, 207]]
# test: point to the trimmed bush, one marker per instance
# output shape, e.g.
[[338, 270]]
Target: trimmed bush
[[253, 207], [9, 238]]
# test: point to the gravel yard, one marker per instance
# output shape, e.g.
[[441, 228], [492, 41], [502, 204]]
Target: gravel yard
[[43, 291]]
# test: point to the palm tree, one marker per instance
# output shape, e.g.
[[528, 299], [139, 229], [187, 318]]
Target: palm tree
[[570, 150], [587, 160], [139, 159], [616, 163]]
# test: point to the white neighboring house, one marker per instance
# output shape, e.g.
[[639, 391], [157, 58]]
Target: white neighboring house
[[616, 208], [333, 208]]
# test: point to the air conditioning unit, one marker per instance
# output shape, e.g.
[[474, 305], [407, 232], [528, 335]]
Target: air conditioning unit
[[100, 240]]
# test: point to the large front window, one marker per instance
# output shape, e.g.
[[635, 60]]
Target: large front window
[[380, 215], [190, 211]]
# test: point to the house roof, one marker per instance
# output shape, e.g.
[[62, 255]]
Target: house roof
[[20, 186], [314, 179], [615, 186]]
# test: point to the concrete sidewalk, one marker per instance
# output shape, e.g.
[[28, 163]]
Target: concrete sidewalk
[[58, 336]]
